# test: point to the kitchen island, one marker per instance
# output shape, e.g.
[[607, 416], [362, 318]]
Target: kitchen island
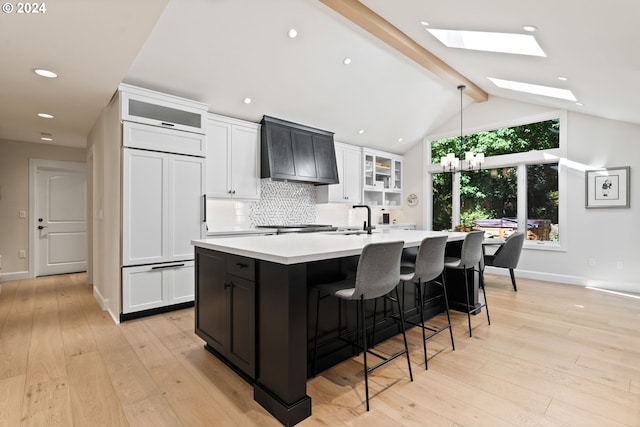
[[251, 304]]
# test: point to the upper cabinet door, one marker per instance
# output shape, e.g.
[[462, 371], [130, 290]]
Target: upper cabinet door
[[233, 158], [349, 188], [352, 176], [245, 162], [218, 153]]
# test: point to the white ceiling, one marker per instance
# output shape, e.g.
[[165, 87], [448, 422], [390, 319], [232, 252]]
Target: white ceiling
[[221, 51]]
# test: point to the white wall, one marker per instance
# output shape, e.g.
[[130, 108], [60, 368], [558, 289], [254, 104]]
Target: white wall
[[606, 235], [104, 142], [14, 197]]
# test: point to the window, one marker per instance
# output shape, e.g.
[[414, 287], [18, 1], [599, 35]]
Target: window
[[542, 202], [517, 188], [442, 185], [489, 200]]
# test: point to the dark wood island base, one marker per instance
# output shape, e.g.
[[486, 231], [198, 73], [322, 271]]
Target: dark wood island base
[[258, 316]]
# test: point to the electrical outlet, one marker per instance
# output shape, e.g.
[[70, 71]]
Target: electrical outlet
[[22, 253], [22, 214], [619, 265], [592, 262]]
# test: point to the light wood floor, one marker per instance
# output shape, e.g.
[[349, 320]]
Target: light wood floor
[[554, 355]]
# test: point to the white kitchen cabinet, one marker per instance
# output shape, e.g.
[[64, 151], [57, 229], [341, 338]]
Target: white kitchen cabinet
[[136, 135], [162, 110], [152, 286], [162, 206], [349, 189], [233, 158], [383, 178]]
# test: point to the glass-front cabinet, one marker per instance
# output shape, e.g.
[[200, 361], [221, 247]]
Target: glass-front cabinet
[[382, 179]]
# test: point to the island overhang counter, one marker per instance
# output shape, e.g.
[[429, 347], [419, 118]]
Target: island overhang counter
[[251, 305]]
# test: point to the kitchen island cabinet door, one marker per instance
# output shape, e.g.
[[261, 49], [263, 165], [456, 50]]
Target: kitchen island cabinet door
[[242, 324], [211, 297], [225, 307]]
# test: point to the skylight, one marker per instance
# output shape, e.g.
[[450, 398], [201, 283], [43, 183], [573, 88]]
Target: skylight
[[534, 89], [521, 44]]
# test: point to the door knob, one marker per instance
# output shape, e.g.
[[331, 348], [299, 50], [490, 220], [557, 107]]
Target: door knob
[[40, 227]]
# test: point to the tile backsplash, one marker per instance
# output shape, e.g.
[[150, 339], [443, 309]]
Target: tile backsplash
[[283, 203]]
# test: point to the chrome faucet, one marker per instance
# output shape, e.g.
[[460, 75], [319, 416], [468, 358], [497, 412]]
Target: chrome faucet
[[367, 226]]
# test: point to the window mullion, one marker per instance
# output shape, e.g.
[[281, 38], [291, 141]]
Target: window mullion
[[455, 200], [522, 198]]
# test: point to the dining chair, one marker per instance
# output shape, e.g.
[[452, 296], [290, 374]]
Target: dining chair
[[507, 255]]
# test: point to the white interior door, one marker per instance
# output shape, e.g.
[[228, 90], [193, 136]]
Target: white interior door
[[60, 224]]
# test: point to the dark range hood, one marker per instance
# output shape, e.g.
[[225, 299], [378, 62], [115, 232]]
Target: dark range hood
[[295, 152]]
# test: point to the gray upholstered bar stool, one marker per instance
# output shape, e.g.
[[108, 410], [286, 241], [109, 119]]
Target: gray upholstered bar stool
[[378, 273], [470, 257], [428, 267]]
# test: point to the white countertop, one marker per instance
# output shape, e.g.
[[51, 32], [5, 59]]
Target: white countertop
[[295, 248]]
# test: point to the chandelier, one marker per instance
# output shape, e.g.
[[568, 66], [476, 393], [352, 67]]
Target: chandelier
[[451, 162]]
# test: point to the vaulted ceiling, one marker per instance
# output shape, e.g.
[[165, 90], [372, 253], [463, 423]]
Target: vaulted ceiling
[[223, 51]]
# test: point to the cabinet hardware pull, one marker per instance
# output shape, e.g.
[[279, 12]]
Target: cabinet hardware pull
[[228, 285], [204, 207], [242, 265], [160, 267], [167, 124]]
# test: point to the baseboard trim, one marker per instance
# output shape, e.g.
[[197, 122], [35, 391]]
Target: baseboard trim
[[17, 275], [568, 280], [102, 302]]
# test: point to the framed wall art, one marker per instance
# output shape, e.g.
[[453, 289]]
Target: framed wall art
[[607, 188]]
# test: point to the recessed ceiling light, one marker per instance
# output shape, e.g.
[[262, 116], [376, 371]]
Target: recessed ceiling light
[[425, 23], [579, 104], [530, 28], [45, 115], [346, 61], [247, 100], [293, 33], [400, 139], [46, 136], [361, 131], [564, 79], [45, 73], [521, 44], [534, 89]]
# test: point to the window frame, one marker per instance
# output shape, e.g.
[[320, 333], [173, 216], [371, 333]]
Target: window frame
[[518, 160]]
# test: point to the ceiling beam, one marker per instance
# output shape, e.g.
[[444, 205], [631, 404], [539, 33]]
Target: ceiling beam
[[370, 21]]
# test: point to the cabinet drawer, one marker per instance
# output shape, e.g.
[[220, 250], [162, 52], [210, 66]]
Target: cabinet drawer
[[241, 267]]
